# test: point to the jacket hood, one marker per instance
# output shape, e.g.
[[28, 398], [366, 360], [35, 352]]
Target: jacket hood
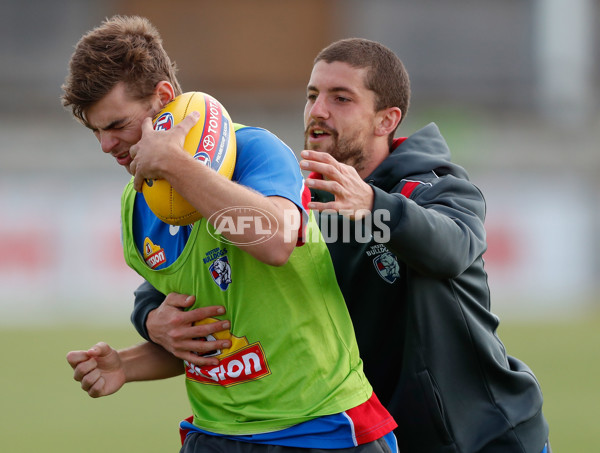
[[423, 152]]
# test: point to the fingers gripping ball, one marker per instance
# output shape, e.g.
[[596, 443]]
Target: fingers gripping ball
[[211, 141]]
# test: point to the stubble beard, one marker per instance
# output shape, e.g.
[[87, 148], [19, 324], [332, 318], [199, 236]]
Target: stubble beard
[[347, 150]]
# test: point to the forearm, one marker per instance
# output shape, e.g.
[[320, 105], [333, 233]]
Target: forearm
[[436, 236], [212, 194], [148, 361], [160, 155]]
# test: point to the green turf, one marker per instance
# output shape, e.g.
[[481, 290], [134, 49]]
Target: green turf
[[565, 357], [43, 408]]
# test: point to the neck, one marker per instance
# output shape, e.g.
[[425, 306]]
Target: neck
[[375, 158]]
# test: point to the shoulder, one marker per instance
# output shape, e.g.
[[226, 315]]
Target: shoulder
[[258, 144], [252, 136]]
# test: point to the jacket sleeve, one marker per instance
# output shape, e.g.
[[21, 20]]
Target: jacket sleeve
[[439, 231], [147, 298]]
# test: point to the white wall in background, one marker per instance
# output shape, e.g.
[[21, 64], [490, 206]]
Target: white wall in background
[[61, 253]]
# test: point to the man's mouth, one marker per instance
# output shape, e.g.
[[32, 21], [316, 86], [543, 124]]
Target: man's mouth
[[316, 132], [123, 158]]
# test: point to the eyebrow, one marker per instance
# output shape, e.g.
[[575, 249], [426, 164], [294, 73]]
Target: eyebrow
[[115, 123], [332, 89], [111, 125]]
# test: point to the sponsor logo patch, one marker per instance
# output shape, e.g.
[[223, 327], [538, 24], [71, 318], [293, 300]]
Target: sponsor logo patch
[[247, 364], [215, 135], [154, 255], [243, 362]]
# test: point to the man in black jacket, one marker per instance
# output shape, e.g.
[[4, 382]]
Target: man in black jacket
[[406, 236]]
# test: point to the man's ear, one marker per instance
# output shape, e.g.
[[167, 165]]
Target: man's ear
[[165, 92], [387, 121]]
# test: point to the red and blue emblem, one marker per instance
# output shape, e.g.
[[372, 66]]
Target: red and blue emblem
[[220, 270], [203, 157], [164, 122], [387, 266]]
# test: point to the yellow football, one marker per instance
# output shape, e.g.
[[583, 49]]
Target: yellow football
[[211, 141]]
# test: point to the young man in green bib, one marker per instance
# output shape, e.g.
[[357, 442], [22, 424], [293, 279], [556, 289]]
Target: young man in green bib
[[287, 374]]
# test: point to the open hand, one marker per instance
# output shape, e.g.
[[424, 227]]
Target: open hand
[[353, 196]]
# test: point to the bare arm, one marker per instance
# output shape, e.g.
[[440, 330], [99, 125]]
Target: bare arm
[[160, 155], [103, 370]]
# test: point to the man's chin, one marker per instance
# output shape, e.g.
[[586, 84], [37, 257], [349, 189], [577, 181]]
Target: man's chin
[[321, 147], [311, 146]]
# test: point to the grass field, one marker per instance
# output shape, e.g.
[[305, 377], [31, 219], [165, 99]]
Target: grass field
[[43, 409], [565, 357]]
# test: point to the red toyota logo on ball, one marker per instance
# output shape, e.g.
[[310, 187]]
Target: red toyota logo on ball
[[208, 143]]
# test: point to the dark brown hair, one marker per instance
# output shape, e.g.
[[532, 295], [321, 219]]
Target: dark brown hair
[[122, 49], [386, 75]]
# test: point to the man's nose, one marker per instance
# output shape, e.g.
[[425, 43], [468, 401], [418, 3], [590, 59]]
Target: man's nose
[[107, 141], [318, 109]]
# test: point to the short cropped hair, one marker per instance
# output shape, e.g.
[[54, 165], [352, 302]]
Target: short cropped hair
[[386, 74]]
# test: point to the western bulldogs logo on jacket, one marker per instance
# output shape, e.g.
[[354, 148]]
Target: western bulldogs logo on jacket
[[385, 262], [387, 266]]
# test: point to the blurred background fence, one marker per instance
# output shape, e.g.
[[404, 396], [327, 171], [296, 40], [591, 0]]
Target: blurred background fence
[[513, 86]]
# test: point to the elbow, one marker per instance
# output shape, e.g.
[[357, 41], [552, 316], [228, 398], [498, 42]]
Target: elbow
[[437, 272], [445, 266], [278, 261], [272, 254], [277, 251], [278, 257]]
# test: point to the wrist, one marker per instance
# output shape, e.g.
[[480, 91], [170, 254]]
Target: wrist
[[149, 326], [173, 168]]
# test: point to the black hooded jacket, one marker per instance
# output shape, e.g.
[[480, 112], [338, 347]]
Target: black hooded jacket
[[414, 281], [418, 295]]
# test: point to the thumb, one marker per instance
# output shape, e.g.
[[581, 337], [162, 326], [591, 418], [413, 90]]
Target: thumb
[[147, 125], [189, 121], [99, 350]]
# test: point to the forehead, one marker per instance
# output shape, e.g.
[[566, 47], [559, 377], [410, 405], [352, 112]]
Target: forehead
[[117, 104], [337, 76]]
